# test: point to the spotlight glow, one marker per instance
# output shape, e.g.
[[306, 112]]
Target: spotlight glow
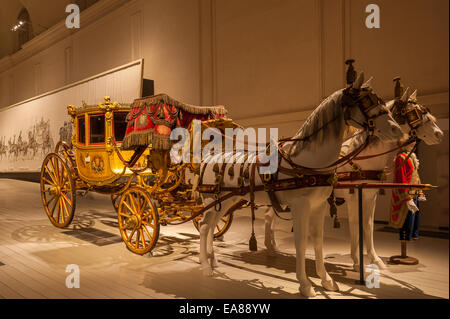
[[18, 25]]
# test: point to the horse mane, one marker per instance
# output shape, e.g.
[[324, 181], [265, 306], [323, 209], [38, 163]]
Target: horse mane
[[321, 124]]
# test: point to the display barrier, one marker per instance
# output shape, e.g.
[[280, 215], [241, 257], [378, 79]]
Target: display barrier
[[360, 187]]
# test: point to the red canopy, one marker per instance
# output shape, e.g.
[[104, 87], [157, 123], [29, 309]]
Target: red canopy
[[152, 119]]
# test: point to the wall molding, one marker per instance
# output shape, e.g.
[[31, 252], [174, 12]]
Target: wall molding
[[58, 32], [347, 30], [214, 52], [320, 39], [11, 88], [68, 64], [37, 78], [136, 34], [200, 52]]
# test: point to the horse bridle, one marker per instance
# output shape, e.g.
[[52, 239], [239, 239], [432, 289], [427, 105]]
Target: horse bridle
[[409, 112], [366, 101], [412, 116]]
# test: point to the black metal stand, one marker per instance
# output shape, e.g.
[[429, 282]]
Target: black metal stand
[[361, 236]]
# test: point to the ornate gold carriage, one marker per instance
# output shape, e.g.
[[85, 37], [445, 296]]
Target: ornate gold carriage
[[123, 151]]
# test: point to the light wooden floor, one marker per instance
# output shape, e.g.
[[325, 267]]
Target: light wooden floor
[[34, 256]]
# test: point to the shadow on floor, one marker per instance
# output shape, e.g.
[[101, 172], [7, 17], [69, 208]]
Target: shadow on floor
[[193, 285], [341, 273]]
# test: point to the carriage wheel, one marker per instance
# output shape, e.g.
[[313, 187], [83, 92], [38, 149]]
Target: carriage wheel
[[57, 190], [138, 220], [221, 228]]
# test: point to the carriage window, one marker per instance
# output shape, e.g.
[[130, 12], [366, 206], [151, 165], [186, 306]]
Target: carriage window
[[120, 125], [81, 130], [96, 129]]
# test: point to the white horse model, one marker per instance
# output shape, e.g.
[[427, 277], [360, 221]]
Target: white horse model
[[425, 129], [317, 144]]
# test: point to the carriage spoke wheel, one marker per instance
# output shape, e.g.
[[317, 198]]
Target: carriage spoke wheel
[[138, 220], [57, 190], [222, 226]]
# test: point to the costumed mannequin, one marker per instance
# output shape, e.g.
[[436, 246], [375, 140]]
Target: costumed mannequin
[[405, 213]]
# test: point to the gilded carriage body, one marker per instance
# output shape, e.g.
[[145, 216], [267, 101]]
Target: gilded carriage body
[[123, 151], [98, 130]]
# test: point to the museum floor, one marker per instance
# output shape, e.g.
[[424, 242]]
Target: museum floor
[[34, 256]]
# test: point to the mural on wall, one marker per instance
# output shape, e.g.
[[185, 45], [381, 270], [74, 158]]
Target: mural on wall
[[65, 132], [27, 146], [37, 142], [3, 147]]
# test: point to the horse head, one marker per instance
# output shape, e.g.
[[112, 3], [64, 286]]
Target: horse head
[[367, 111], [416, 119]]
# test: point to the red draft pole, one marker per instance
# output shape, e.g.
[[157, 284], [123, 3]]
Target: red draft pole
[[360, 187]]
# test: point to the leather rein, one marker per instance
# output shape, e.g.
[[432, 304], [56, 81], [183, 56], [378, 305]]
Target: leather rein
[[302, 176], [401, 115]]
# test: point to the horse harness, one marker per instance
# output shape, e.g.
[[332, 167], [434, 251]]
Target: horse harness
[[411, 115], [402, 114], [302, 176]]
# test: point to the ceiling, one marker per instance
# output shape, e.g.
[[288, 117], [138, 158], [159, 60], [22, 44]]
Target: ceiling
[[43, 15]]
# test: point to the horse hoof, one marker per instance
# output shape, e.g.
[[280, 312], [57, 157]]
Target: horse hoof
[[214, 263], [208, 272], [307, 291], [330, 285], [379, 263], [272, 251], [356, 267]]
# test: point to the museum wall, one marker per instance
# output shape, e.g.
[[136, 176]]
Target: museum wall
[[164, 33], [270, 62]]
